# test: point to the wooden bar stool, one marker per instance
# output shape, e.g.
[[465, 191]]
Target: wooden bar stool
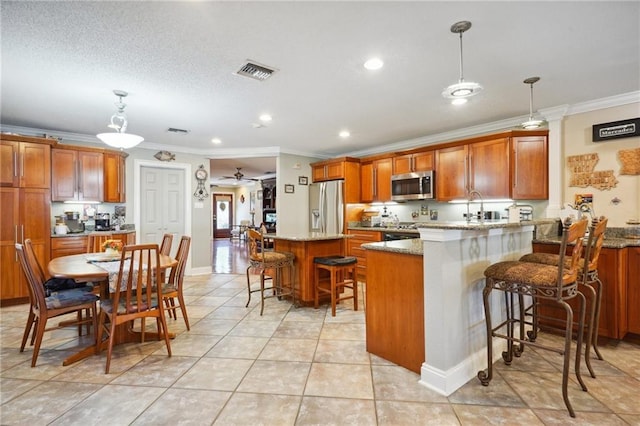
[[342, 272]]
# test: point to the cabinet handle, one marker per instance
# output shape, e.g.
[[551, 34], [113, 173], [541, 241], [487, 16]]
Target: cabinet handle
[[15, 164], [413, 165], [22, 165], [466, 174], [375, 183], [515, 167], [79, 177], [22, 233], [15, 239]]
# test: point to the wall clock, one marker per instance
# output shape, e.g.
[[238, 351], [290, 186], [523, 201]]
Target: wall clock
[[201, 176]]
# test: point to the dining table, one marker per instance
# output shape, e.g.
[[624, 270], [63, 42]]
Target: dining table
[[99, 268]]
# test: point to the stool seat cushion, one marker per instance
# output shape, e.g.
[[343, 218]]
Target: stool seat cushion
[[550, 259], [335, 260], [270, 257], [527, 273]]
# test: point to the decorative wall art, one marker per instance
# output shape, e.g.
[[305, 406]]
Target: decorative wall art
[[289, 189], [583, 174], [630, 159], [302, 180]]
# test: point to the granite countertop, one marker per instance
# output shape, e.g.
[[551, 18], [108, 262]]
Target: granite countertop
[[461, 224], [307, 236], [609, 242], [411, 246], [85, 233]]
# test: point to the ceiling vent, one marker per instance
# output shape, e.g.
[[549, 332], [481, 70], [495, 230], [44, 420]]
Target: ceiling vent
[[178, 131], [256, 71]]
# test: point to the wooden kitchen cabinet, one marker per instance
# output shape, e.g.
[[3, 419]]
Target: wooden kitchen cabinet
[[114, 178], [77, 175], [354, 248], [68, 245], [344, 168], [375, 180], [26, 162], [415, 162], [633, 289], [529, 167]]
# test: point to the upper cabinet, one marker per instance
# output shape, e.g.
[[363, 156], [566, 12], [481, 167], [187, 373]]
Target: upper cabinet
[[416, 162], [344, 168], [26, 162], [114, 178], [375, 180], [77, 175], [508, 165]]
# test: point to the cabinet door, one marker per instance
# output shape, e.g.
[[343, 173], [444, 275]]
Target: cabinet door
[[383, 169], [633, 289], [114, 178], [63, 175], [451, 173], [529, 168], [90, 172], [35, 165], [318, 173], [366, 182], [402, 164], [9, 172], [335, 170], [489, 168], [423, 161], [11, 279]]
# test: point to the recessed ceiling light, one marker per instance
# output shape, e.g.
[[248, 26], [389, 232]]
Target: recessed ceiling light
[[216, 141], [344, 134], [459, 101], [373, 64], [265, 117]]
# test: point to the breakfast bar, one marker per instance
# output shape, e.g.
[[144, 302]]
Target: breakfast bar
[[306, 246]]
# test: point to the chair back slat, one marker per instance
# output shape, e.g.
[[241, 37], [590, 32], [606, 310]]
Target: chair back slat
[[256, 245], [594, 245], [35, 283], [165, 246], [138, 277], [95, 241], [572, 235], [177, 274]]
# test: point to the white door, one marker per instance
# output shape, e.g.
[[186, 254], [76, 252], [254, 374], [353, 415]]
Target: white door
[[162, 204]]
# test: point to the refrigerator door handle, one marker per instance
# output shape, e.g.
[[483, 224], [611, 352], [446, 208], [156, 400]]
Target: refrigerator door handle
[[323, 206]]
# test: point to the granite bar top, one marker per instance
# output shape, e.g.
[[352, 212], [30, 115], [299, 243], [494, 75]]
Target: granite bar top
[[307, 236], [411, 246], [85, 233], [609, 242], [460, 224]]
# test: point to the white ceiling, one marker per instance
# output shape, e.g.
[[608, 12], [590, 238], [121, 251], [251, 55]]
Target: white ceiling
[[61, 61]]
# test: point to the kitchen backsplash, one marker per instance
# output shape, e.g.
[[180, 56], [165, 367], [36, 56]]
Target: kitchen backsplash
[[87, 212]]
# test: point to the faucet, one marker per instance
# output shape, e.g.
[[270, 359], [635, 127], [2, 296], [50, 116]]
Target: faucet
[[479, 195]]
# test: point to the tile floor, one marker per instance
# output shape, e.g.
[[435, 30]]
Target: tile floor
[[290, 366]]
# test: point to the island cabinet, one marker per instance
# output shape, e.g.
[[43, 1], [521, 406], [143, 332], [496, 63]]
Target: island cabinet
[[481, 166], [633, 289], [343, 168], [612, 270], [114, 178], [415, 162], [26, 208], [354, 248], [77, 175], [395, 308], [375, 180]]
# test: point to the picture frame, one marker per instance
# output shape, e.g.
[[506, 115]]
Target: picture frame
[[289, 189], [303, 180]]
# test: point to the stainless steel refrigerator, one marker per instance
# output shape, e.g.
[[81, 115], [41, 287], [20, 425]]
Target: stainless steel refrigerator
[[326, 207]]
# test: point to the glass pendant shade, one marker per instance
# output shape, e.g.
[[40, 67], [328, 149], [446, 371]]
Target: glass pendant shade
[[531, 123], [119, 139], [462, 89]]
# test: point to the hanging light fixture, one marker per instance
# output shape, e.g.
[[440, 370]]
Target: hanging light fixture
[[461, 90], [120, 139], [531, 123]]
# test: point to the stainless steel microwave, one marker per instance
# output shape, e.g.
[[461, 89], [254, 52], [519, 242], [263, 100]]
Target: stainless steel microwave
[[413, 186]]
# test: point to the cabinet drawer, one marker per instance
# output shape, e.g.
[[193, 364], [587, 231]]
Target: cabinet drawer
[[64, 246], [365, 236]]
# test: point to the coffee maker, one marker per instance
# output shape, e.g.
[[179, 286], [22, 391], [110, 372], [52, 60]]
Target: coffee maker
[[103, 222]]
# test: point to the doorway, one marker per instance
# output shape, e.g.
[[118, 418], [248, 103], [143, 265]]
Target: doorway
[[222, 215]]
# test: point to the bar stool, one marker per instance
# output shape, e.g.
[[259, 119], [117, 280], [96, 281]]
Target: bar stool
[[269, 264], [538, 281], [342, 273], [588, 280]]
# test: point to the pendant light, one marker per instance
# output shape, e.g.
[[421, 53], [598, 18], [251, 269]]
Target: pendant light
[[460, 91], [120, 139], [531, 123]]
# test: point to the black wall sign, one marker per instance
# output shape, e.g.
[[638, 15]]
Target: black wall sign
[[616, 130]]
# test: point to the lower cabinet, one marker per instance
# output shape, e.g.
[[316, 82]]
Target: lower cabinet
[[633, 289], [77, 244], [354, 249]]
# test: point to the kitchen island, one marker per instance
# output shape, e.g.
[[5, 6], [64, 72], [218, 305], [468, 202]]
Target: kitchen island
[[305, 247], [455, 255]]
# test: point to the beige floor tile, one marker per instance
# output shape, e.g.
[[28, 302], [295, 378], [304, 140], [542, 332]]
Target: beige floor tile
[[12, 388], [238, 347], [298, 330], [213, 326], [252, 328], [305, 313], [276, 377], [259, 409], [160, 371], [341, 331], [471, 415], [399, 384], [342, 351], [215, 374], [631, 419], [561, 417], [184, 406], [336, 411], [340, 380], [393, 413], [289, 350], [188, 344], [620, 394], [497, 393]]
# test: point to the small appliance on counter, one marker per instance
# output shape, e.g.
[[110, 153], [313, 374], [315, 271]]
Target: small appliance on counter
[[370, 217], [103, 222]]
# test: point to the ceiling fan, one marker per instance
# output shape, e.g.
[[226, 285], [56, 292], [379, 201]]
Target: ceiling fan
[[238, 175]]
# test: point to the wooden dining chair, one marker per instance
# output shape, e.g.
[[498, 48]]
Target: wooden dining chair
[[173, 288], [137, 295], [43, 308], [95, 241], [165, 246]]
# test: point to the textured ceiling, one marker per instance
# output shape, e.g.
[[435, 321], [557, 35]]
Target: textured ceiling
[[61, 61]]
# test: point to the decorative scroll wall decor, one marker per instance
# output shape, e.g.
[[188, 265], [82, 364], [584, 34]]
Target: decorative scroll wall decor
[[583, 173], [630, 159]]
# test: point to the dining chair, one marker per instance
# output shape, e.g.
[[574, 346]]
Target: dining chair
[[95, 241], [173, 288], [43, 308], [137, 295], [165, 246]]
